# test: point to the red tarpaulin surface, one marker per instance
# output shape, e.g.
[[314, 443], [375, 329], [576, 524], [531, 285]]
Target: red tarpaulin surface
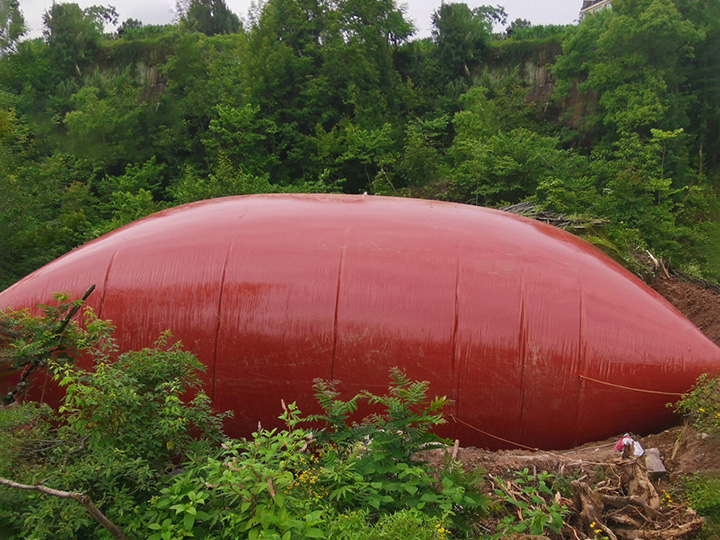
[[537, 336]]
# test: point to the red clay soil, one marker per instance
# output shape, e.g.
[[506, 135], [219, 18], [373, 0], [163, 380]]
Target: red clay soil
[[700, 305]]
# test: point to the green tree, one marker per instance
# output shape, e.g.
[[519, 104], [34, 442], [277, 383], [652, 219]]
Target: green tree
[[507, 167], [462, 35], [632, 58], [210, 17], [313, 65], [12, 26], [74, 34], [636, 62], [128, 25], [702, 84], [105, 124], [518, 24]]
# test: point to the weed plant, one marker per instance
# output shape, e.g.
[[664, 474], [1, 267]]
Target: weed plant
[[701, 405], [533, 510]]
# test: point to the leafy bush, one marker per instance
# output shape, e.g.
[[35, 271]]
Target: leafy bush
[[406, 524], [25, 434], [702, 404], [133, 404], [29, 342], [247, 491], [302, 483], [703, 493], [25, 430], [121, 427], [533, 509], [138, 436], [373, 463]]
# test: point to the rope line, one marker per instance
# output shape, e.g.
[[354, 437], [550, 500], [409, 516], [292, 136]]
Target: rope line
[[630, 388], [538, 450], [456, 419]]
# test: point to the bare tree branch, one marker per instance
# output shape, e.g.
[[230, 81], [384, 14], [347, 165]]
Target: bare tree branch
[[79, 497]]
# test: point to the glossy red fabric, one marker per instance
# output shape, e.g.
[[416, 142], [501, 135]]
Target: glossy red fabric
[[511, 318]]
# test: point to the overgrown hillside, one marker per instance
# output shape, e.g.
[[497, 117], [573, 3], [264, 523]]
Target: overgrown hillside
[[616, 120]]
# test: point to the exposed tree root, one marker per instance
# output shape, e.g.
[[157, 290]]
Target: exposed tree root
[[628, 509]]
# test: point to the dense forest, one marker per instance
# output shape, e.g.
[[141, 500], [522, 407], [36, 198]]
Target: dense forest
[[613, 123]]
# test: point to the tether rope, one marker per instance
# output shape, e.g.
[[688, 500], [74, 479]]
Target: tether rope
[[630, 388], [538, 450], [456, 419]]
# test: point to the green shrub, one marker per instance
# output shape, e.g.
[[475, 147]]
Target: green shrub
[[121, 427], [372, 463], [702, 404], [405, 524], [703, 493], [247, 491], [25, 433], [533, 510], [29, 342], [155, 462], [302, 483]]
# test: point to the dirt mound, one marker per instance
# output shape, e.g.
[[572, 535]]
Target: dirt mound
[[606, 495], [699, 304]]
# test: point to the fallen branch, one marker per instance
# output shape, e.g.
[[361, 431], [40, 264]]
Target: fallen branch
[[620, 501], [83, 499], [691, 527]]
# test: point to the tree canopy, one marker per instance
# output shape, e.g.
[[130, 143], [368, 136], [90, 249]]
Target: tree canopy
[[615, 120]]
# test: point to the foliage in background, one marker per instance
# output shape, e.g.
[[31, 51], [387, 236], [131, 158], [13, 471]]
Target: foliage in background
[[12, 26], [617, 118]]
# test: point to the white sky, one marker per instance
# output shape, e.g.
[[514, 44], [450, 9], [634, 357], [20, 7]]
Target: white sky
[[418, 11]]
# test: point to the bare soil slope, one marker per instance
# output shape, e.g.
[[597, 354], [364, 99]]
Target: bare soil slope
[[699, 304]]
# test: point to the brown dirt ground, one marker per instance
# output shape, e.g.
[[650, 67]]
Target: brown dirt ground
[[682, 452], [700, 305]]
